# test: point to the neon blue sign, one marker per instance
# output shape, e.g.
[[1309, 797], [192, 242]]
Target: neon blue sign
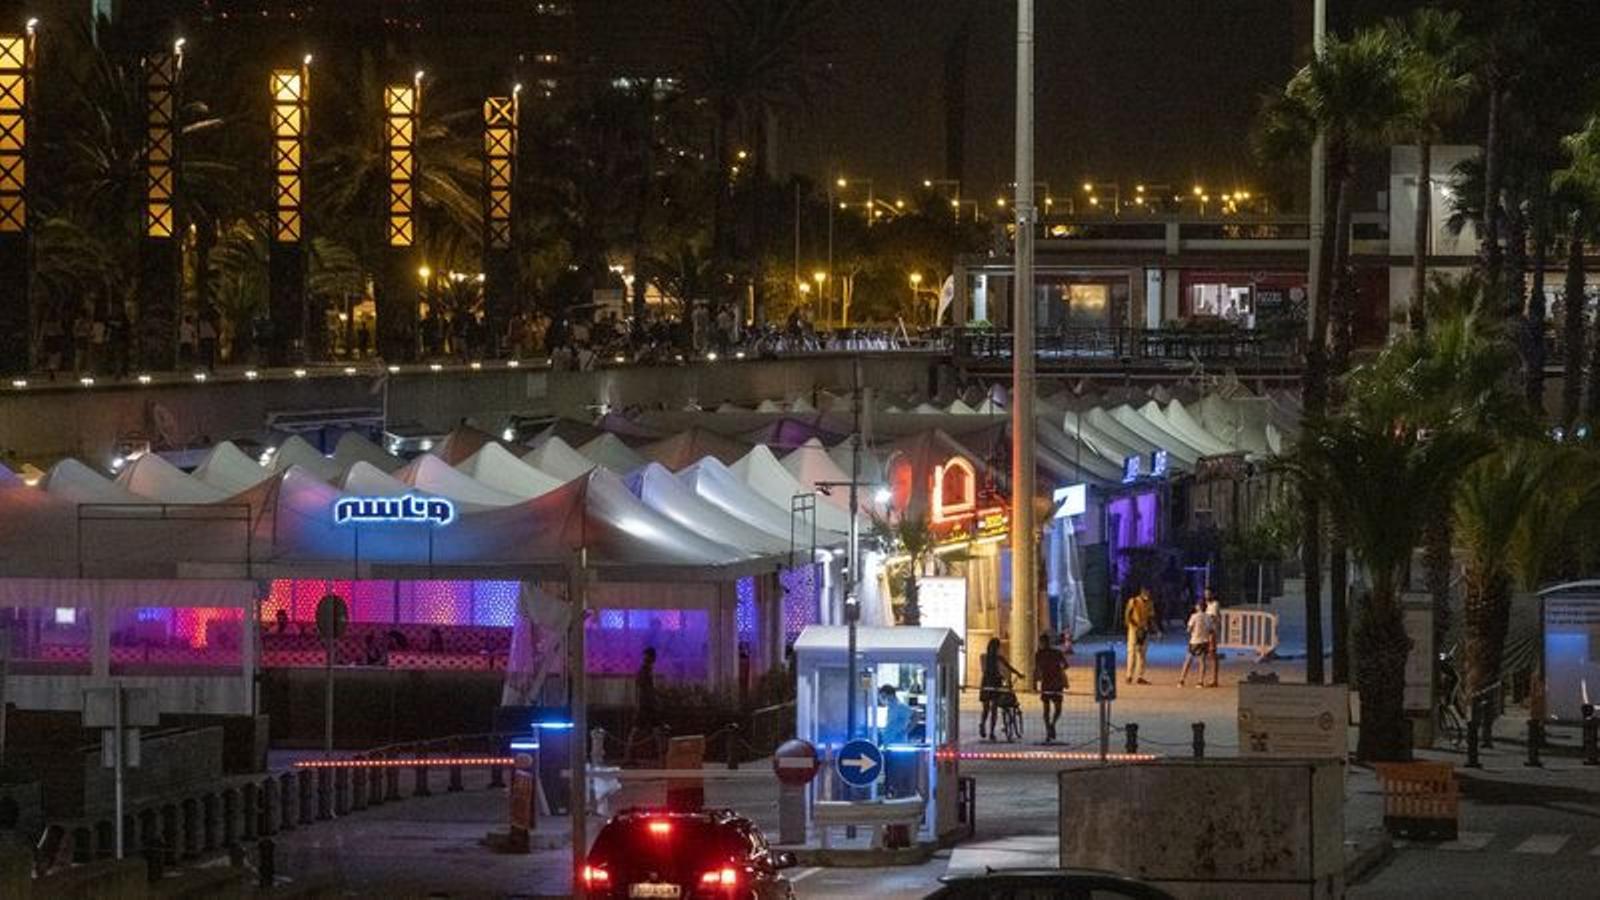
[[408, 508]]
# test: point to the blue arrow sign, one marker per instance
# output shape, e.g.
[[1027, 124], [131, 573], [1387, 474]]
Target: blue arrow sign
[[859, 763]]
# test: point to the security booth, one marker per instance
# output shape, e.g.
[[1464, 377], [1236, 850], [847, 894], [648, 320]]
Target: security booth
[[1570, 627], [919, 750]]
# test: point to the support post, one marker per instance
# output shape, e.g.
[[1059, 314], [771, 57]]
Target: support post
[[1024, 546], [577, 666]]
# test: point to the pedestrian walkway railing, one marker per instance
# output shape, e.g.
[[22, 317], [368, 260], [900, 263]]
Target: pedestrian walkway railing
[[1249, 629]]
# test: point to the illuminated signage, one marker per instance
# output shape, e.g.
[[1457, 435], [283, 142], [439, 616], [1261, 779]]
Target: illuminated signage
[[408, 509], [1132, 468], [955, 491], [1072, 500], [1158, 463]]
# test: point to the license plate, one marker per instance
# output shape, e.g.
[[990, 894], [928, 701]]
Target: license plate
[[654, 890]]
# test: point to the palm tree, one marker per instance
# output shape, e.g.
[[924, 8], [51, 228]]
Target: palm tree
[[1437, 85], [910, 542], [1579, 185], [757, 61], [1511, 509], [1352, 95], [1380, 481]]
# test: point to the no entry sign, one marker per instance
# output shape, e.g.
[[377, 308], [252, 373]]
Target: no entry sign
[[795, 763]]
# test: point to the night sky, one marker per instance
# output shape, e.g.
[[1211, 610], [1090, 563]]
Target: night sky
[[1127, 90]]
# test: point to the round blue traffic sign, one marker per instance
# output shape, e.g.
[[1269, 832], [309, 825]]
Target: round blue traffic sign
[[860, 763]]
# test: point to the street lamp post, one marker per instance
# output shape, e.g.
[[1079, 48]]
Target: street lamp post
[[821, 278], [872, 199], [1094, 189], [1023, 547], [916, 288]]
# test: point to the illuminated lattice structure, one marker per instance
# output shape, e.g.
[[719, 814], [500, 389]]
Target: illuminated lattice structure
[[161, 142], [499, 169], [745, 612], [289, 99], [801, 599], [615, 640], [480, 603], [400, 109], [16, 58]]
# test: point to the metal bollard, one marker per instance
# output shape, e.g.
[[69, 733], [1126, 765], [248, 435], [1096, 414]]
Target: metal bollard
[[455, 768], [1131, 732], [324, 794], [497, 775], [1472, 741], [307, 807], [1535, 738], [731, 746], [266, 862], [1591, 736], [420, 786], [391, 783], [358, 785], [341, 791], [1199, 740]]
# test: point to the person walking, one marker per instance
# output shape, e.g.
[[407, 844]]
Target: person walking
[[1200, 638], [644, 699], [1214, 614], [1138, 617], [1050, 677], [991, 687]]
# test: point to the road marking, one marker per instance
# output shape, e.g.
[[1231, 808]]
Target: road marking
[[804, 873], [1542, 843]]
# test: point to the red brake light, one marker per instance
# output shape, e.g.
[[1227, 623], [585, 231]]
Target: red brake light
[[660, 827], [725, 877], [595, 877]]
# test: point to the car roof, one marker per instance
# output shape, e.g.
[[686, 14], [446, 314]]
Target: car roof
[[1092, 877]]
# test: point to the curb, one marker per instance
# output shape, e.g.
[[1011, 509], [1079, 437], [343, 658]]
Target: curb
[[1365, 855]]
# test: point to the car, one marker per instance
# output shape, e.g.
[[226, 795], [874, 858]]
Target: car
[[1045, 884], [676, 855]]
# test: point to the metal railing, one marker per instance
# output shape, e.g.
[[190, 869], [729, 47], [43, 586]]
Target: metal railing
[[1249, 629], [1127, 345]]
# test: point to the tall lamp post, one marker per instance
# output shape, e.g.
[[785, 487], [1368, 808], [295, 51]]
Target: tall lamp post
[[1024, 548]]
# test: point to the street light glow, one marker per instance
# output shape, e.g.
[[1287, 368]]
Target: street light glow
[[1197, 190], [842, 183], [424, 273], [916, 279], [1088, 188]]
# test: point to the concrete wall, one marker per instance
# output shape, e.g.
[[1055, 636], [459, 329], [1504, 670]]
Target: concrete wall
[[1225, 828], [49, 420]]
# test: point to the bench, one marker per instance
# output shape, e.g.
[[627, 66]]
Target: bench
[[874, 814]]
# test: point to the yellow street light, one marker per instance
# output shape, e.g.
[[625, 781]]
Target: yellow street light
[[1049, 201], [1138, 201], [899, 204], [916, 279], [843, 205], [1197, 190], [1088, 188], [1138, 188], [1245, 195], [842, 183], [743, 154], [1094, 201], [1205, 198], [955, 204], [424, 273], [1000, 202], [805, 288], [927, 182], [819, 277]]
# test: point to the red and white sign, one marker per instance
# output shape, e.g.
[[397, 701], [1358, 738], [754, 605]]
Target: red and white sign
[[796, 763]]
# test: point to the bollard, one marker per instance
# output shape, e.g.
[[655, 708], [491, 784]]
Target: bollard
[[267, 809], [497, 774], [1132, 734], [455, 767], [1535, 738], [307, 804], [420, 787], [324, 794], [1472, 741], [391, 783], [266, 863], [358, 785], [1591, 736], [731, 746], [1199, 740], [341, 791]]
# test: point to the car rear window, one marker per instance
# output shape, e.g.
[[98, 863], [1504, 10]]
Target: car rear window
[[629, 838]]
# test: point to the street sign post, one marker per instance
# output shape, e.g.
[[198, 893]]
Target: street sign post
[[120, 713], [860, 763], [796, 764], [332, 617], [1105, 691]]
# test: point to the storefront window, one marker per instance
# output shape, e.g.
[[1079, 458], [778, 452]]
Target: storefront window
[[1222, 301]]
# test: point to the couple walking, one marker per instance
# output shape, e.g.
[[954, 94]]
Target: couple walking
[[1203, 629], [1049, 676]]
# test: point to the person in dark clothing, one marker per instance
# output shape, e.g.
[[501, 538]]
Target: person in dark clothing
[[1050, 676], [644, 698], [994, 683]]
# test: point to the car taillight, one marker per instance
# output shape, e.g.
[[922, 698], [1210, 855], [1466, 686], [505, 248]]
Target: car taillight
[[726, 878], [594, 876], [660, 828]]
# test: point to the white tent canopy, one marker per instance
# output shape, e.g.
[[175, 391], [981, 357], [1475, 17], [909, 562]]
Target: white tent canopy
[[663, 492], [811, 465], [494, 466], [717, 485], [556, 457], [353, 448], [766, 476], [74, 482], [154, 478], [431, 474], [227, 469], [295, 451], [610, 451]]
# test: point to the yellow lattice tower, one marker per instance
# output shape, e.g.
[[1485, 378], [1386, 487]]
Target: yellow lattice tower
[[499, 167], [289, 97], [16, 57], [400, 142], [160, 143]]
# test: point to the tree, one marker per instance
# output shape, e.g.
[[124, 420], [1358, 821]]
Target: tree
[[1352, 96], [1380, 480], [1436, 84], [1579, 186], [758, 60]]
